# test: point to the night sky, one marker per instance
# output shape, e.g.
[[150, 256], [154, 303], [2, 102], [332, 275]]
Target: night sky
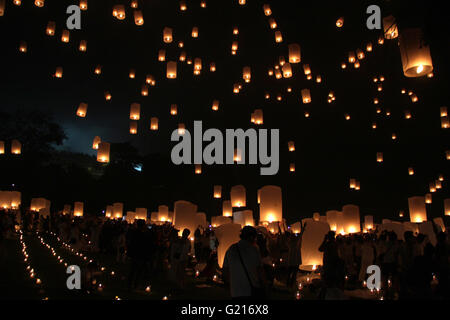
[[329, 149]]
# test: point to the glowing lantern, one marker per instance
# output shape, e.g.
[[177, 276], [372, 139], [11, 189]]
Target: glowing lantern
[[272, 23], [428, 198], [194, 33], [50, 31], [408, 114], [447, 154], [291, 146], [258, 117], [351, 220], [185, 216], [227, 210], [447, 207], [23, 46], [444, 112], [103, 152], [133, 127], [380, 157], [212, 67], [292, 167], [78, 209], [181, 129], [198, 169], [306, 96], [183, 6], [416, 57], [312, 239], [227, 235], [163, 213], [340, 22], [154, 123], [332, 219], [445, 123], [244, 218], [215, 105], [238, 196], [135, 111], [267, 10], [82, 110], [66, 209], [144, 90], [118, 210], [59, 72], [410, 171], [306, 69], [287, 70], [316, 216], [236, 88], [119, 11], [96, 142], [235, 31], [171, 70], [390, 27], [271, 208], [439, 222], [173, 109], [246, 74], [2, 8], [98, 69], [296, 227], [2, 147], [167, 35], [83, 5], [360, 54], [39, 3], [108, 96], [242, 2], [294, 53], [141, 214], [65, 37], [369, 47], [351, 57], [278, 37], [132, 74], [217, 192], [150, 80], [417, 209], [203, 4]]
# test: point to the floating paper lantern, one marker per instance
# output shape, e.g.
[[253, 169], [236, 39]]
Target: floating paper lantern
[[16, 2], [294, 53], [340, 22], [238, 196], [351, 220], [272, 23], [215, 105], [78, 209], [167, 35], [217, 192], [246, 74], [132, 74], [416, 57], [258, 117], [133, 127], [227, 209], [380, 157], [267, 10], [59, 72], [141, 214], [118, 210], [154, 123], [445, 123], [163, 213], [319, 79], [173, 109], [439, 222], [144, 90], [369, 47], [312, 239], [183, 6], [201, 220], [244, 218], [306, 69], [2, 147], [447, 154], [98, 69], [51, 26], [83, 46], [39, 3], [368, 222], [23, 47], [108, 96], [171, 70], [291, 146], [227, 235], [447, 207], [296, 227], [82, 110], [444, 112], [306, 96], [16, 147], [390, 27], [292, 167], [198, 169], [135, 111], [428, 198], [432, 186], [271, 208], [109, 211], [65, 37], [181, 129], [278, 37], [96, 142], [316, 216], [83, 5], [149, 79], [203, 4], [119, 11], [185, 216], [194, 33], [287, 70], [162, 55], [411, 171], [417, 209], [103, 152]]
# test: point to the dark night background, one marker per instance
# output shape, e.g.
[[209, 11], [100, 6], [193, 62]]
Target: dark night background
[[329, 150]]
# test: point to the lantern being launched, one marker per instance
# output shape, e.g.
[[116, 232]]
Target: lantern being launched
[[103, 152], [352, 223], [227, 209], [417, 209], [270, 208], [312, 239], [78, 208], [185, 216], [244, 218], [238, 196], [415, 53], [227, 234]]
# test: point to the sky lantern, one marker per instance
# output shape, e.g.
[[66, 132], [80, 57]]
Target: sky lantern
[[271, 204], [198, 169], [411, 171], [238, 196], [432, 186], [368, 222], [37, 204], [16, 2], [212, 67], [313, 236], [428, 198], [65, 37], [194, 32], [278, 37], [217, 192], [119, 11], [242, 2], [2, 8], [59, 72], [39, 3], [244, 218], [23, 46], [267, 10], [173, 109], [316, 216], [181, 129], [149, 79], [294, 53], [306, 69], [340, 22], [332, 219], [227, 210], [182, 56], [258, 116], [447, 154], [51, 26], [296, 227], [144, 90], [66, 209], [292, 167], [83, 46], [133, 127], [415, 53], [163, 213], [96, 142], [138, 18], [82, 110], [291, 146], [141, 213], [83, 5], [132, 74], [272, 23], [360, 54], [2, 147], [108, 96], [162, 55], [183, 6], [444, 112], [417, 209], [118, 210], [439, 222], [351, 57], [78, 208], [350, 214], [215, 105], [167, 35], [246, 74], [390, 27], [200, 218], [135, 111], [227, 235], [379, 157], [103, 152], [287, 70], [203, 4], [154, 123], [445, 123], [306, 96], [185, 216], [171, 70], [98, 69], [447, 207]]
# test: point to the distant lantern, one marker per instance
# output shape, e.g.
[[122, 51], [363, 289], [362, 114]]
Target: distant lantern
[[217, 192], [369, 47], [351, 57], [185, 216], [108, 96], [444, 112], [96, 142], [65, 37], [379, 156], [447, 154], [447, 207], [272, 23], [428, 198], [332, 219], [83, 5], [246, 74], [119, 11], [183, 6], [381, 40], [59, 72], [50, 31], [2, 8], [212, 67], [291, 146], [39, 3], [318, 79], [227, 209], [103, 152], [2, 147], [278, 37], [242, 2], [271, 209], [215, 105], [258, 117], [417, 209], [133, 127], [144, 90], [306, 69], [173, 109], [360, 54], [198, 169], [203, 4], [238, 196], [16, 147], [227, 235], [182, 56], [445, 123], [23, 46], [235, 31], [163, 213], [82, 110], [83, 46], [149, 79], [351, 219], [135, 111], [167, 35], [390, 27], [432, 187], [118, 210], [78, 208], [194, 33], [181, 129], [154, 123], [236, 88], [415, 53], [132, 74], [287, 70], [267, 10], [292, 167], [98, 69], [294, 53], [162, 55], [410, 171], [306, 96], [171, 70], [340, 22]]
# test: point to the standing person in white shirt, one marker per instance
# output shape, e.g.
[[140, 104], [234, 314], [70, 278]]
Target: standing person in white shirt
[[243, 269]]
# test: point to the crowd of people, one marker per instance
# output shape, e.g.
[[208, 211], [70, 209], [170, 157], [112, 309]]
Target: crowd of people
[[411, 268]]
